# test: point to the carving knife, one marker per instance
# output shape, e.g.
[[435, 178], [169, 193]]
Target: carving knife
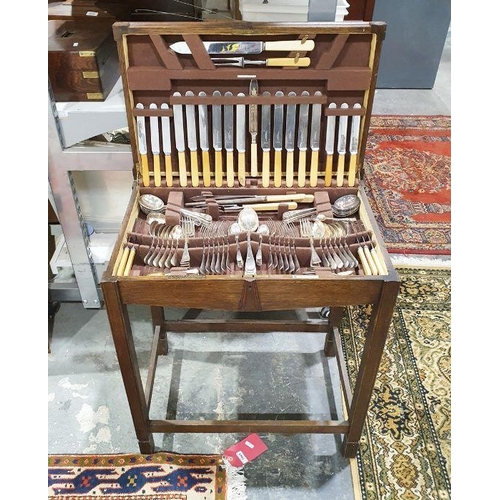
[[314, 141], [299, 62], [278, 139], [179, 140], [192, 142], [290, 140], [217, 138], [203, 126], [302, 140], [240, 139], [238, 47], [253, 127], [143, 148], [341, 146], [155, 145], [353, 147], [329, 146], [167, 146], [265, 140], [228, 140]]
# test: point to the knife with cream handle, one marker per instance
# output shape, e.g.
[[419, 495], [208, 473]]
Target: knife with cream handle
[[278, 139], [302, 140], [240, 139], [155, 146], [143, 148], [179, 140], [204, 144], [329, 146], [130, 261], [341, 146], [167, 146], [228, 140], [217, 138], [314, 141], [250, 47], [353, 147], [253, 127], [192, 141], [290, 140], [265, 140]]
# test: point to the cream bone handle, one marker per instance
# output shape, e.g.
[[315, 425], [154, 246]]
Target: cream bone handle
[[297, 62], [263, 207], [290, 45], [300, 198]]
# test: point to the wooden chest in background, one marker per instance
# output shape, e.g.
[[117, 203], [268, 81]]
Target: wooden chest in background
[[82, 60]]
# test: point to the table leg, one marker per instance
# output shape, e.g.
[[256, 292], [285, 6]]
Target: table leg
[[127, 359], [158, 317], [376, 335], [333, 322]]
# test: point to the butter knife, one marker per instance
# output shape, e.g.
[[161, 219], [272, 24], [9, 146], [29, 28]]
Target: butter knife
[[290, 140], [204, 144], [217, 138], [167, 146], [302, 140], [353, 147], [278, 139], [341, 146], [253, 127], [142, 146], [192, 141], [265, 140], [155, 146], [179, 140]]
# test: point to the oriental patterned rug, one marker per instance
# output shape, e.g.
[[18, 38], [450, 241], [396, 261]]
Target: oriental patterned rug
[[160, 476], [405, 450], [408, 180]]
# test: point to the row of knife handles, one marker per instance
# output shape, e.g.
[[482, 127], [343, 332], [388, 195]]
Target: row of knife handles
[[223, 167]]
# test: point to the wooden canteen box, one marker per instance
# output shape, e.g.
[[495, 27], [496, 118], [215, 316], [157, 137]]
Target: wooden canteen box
[[227, 116]]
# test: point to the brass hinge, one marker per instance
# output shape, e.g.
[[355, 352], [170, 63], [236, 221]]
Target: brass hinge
[[92, 96], [90, 74], [86, 53]]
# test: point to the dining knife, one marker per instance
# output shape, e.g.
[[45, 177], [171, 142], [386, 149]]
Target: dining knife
[[314, 141], [143, 147], [204, 143], [155, 145], [329, 145], [299, 62], [250, 47], [302, 140], [290, 140], [167, 146], [179, 140], [353, 146], [217, 138], [253, 127], [265, 140], [228, 140], [341, 146], [278, 139], [192, 141], [240, 139]]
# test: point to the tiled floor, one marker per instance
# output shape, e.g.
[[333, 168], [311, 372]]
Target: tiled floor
[[87, 406]]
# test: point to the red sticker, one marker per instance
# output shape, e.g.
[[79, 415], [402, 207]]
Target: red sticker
[[245, 451]]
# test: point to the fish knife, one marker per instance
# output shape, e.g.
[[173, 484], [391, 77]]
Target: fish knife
[[253, 127], [192, 141], [217, 138], [167, 146], [228, 140], [341, 146], [155, 145], [329, 145], [142, 146], [240, 139], [278, 139], [204, 144], [179, 140], [265, 140], [302, 140], [290, 140], [250, 47], [353, 147], [314, 141]]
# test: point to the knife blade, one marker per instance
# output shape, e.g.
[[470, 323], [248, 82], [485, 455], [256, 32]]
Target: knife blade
[[142, 146], [300, 62], [204, 143], [240, 139], [253, 127], [179, 140], [239, 47], [302, 140], [278, 139], [217, 138], [314, 141], [265, 140], [353, 146], [155, 145], [192, 141], [329, 145], [228, 140], [290, 140], [167, 146], [341, 146]]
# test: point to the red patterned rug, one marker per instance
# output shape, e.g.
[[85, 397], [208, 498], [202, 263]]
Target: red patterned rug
[[160, 476], [408, 181]]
